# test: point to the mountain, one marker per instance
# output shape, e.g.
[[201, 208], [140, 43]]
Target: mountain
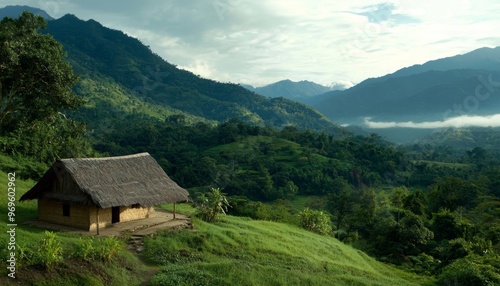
[[100, 54], [303, 91], [15, 11], [292, 90], [436, 90]]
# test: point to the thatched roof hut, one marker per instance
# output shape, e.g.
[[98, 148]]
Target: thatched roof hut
[[123, 183]]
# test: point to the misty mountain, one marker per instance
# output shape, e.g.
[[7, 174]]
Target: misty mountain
[[304, 91], [114, 65], [15, 11], [436, 90]]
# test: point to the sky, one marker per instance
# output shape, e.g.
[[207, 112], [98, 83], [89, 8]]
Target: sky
[[327, 42]]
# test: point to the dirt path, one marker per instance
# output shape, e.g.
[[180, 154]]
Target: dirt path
[[151, 272]]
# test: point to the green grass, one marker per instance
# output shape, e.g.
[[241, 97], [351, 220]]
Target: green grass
[[242, 251]]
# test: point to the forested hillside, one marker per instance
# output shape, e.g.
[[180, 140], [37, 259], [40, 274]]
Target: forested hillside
[[114, 60]]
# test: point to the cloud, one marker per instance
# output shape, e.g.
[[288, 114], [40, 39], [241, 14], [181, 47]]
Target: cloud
[[259, 42], [385, 12], [456, 122]]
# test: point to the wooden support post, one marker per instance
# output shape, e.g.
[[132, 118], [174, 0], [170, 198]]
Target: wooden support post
[[97, 220], [174, 210]]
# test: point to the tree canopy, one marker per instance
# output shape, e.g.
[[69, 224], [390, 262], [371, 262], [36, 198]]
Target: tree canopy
[[35, 87]]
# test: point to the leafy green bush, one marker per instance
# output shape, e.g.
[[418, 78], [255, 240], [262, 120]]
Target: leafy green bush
[[50, 252], [472, 270], [424, 264], [109, 248], [85, 249], [315, 221], [212, 205]]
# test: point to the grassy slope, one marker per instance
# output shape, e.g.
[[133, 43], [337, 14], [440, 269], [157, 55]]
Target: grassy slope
[[241, 251]]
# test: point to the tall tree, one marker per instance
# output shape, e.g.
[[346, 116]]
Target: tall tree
[[35, 80], [35, 87]]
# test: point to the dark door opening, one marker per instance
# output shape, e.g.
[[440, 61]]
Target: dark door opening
[[115, 214]]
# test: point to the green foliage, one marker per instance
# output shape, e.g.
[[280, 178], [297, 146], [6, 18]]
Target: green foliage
[[424, 264], [472, 270], [50, 252], [453, 192], [35, 81], [35, 87], [341, 202], [85, 249], [109, 248], [446, 225], [315, 221], [209, 207]]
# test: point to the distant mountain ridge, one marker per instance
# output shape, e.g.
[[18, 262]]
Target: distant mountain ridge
[[15, 11], [303, 91], [422, 92]]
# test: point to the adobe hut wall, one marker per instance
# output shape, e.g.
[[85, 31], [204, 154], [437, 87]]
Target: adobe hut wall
[[52, 211], [105, 216], [128, 213]]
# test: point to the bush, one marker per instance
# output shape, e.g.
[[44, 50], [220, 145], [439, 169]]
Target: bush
[[212, 205], [50, 252], [85, 249], [315, 221], [109, 248], [472, 270], [424, 264]]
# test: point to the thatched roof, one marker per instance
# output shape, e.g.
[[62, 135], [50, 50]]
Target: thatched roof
[[109, 182]]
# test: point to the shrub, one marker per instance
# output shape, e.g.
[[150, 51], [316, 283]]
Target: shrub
[[50, 252], [315, 221], [474, 269], [212, 205], [85, 249], [109, 248]]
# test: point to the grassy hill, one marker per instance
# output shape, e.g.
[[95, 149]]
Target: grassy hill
[[242, 251], [236, 251]]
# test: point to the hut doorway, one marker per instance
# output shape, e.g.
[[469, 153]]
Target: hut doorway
[[115, 214]]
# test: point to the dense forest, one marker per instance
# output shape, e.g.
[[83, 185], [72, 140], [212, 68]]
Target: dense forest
[[431, 208]]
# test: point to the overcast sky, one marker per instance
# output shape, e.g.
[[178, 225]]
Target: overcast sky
[[259, 42]]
